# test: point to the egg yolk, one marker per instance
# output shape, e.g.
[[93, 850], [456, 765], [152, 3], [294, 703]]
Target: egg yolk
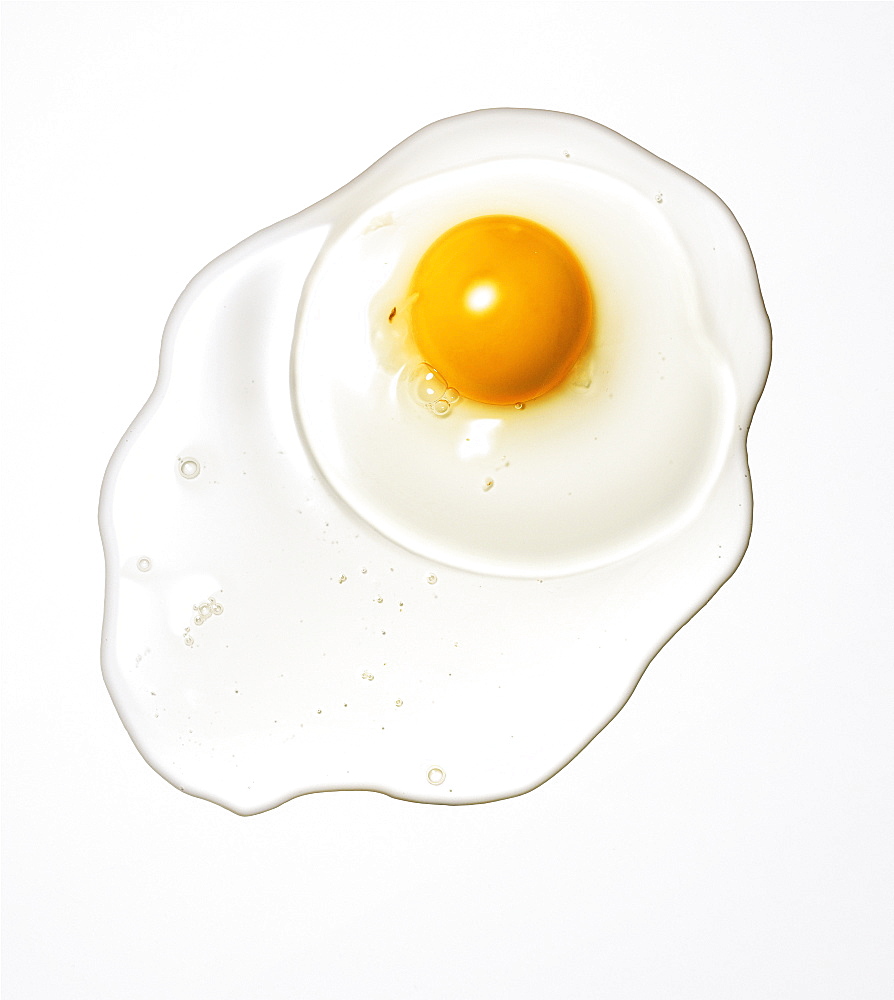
[[501, 308]]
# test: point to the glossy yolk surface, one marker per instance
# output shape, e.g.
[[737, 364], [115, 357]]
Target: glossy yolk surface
[[501, 307]]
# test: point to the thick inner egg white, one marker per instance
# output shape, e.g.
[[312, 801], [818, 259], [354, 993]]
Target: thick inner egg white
[[595, 465]]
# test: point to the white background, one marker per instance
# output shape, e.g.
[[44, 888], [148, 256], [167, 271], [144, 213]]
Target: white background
[[727, 835]]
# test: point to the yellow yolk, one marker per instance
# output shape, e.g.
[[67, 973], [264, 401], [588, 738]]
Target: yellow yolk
[[501, 308]]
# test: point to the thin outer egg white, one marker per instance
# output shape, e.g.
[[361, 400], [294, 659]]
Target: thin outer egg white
[[334, 600]]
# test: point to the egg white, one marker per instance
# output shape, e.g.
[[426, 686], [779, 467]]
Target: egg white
[[382, 616]]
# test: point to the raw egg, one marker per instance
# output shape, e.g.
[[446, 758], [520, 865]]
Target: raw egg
[[432, 469]]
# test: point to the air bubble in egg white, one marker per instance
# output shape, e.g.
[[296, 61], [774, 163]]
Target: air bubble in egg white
[[427, 384], [189, 468]]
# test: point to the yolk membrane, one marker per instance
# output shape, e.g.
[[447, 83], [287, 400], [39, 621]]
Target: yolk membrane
[[501, 308]]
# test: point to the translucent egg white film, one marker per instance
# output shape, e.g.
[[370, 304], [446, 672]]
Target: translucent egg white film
[[314, 582]]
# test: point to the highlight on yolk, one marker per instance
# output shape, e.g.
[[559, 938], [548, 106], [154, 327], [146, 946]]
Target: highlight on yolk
[[501, 308]]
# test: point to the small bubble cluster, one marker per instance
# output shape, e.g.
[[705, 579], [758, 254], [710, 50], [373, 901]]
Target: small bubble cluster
[[431, 390], [206, 610]]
